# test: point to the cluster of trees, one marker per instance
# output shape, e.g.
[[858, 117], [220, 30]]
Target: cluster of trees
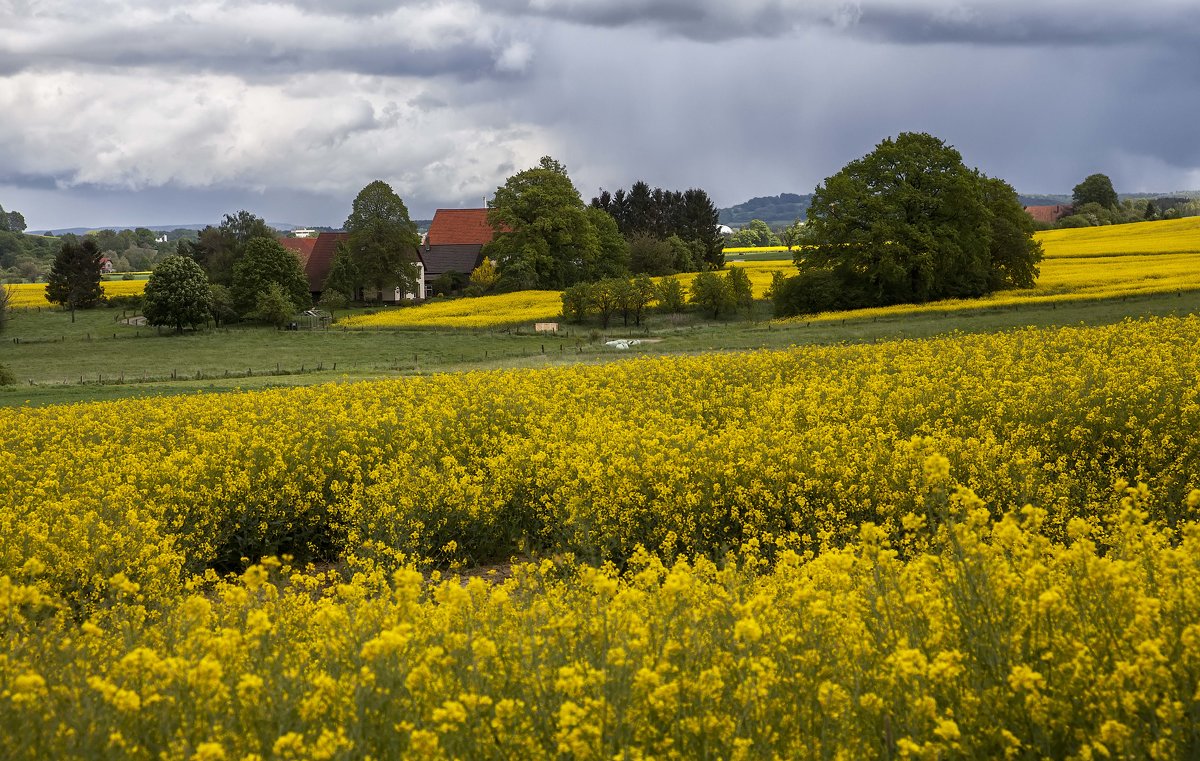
[[22, 257], [631, 297], [909, 222], [381, 251], [686, 221], [1095, 202]]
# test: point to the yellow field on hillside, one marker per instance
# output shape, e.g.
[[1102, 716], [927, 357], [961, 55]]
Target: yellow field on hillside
[[29, 295], [1166, 237], [519, 307]]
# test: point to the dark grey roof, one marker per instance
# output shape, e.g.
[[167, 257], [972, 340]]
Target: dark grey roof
[[459, 258]]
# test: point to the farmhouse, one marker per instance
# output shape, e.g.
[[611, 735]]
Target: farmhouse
[[454, 243], [316, 258], [1049, 214]]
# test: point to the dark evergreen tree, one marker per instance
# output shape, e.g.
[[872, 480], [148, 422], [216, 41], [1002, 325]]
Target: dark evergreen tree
[[74, 280]]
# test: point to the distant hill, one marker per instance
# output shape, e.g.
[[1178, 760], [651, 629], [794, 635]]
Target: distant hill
[[777, 211], [782, 210]]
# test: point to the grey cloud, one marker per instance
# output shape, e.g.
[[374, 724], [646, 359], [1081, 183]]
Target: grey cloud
[[261, 39], [1018, 22]]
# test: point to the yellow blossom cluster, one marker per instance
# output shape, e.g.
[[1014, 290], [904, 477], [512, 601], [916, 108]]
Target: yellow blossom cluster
[[27, 295], [990, 642], [682, 455]]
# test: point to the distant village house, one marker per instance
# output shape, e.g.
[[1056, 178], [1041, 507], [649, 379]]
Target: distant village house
[[1049, 214]]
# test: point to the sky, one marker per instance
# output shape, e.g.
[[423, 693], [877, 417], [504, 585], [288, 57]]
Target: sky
[[156, 112]]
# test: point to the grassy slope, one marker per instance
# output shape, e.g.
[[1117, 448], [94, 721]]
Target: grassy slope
[[56, 365]]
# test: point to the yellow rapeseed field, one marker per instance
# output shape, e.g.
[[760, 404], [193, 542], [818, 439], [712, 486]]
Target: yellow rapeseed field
[[518, 307], [974, 546], [27, 295]]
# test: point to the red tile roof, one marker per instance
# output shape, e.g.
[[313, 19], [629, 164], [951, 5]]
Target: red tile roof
[[457, 227], [302, 246], [321, 259], [1048, 213]]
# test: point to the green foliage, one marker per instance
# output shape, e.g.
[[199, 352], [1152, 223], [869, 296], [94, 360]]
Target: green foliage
[[795, 234], [74, 280], [757, 234], [641, 292], [740, 288], [607, 298], [812, 291], [448, 283], [670, 294], [5, 306], [689, 216], [577, 301], [7, 378], [712, 293], [653, 256], [273, 306], [177, 294], [344, 277], [221, 305], [1013, 250], [1096, 188], [383, 240], [909, 222], [546, 238], [266, 261], [611, 257], [218, 249]]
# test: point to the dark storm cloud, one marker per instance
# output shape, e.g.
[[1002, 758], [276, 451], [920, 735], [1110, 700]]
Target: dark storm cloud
[[1018, 22], [260, 39]]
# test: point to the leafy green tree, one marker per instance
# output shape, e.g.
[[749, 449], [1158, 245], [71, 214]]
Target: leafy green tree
[[74, 280], [740, 288], [383, 240], [546, 239], [623, 293], [794, 235], [653, 255], [273, 306], [641, 292], [670, 294], [755, 234], [685, 253], [1013, 250], [218, 249], [266, 261], [177, 294], [1096, 188], [606, 299], [611, 257], [905, 223], [221, 305], [577, 301], [712, 293], [343, 277], [1151, 212]]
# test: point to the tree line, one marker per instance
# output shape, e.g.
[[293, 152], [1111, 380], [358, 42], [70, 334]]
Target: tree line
[[632, 297]]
